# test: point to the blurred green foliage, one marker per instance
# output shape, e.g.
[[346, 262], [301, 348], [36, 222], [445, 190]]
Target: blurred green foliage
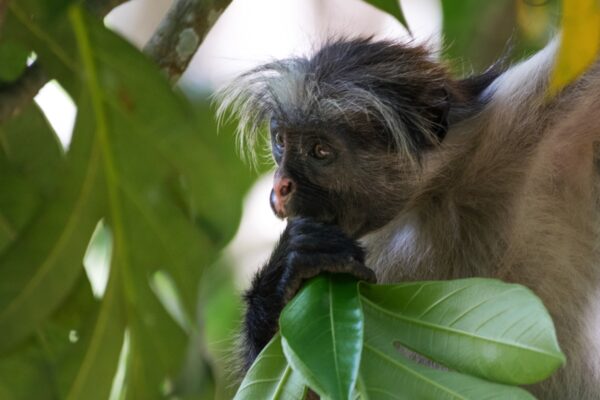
[[478, 33], [148, 163], [146, 171]]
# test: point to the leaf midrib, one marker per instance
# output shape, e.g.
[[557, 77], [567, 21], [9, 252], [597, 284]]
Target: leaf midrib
[[333, 339], [104, 319]]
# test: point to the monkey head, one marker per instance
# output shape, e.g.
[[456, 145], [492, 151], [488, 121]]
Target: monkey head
[[349, 127]]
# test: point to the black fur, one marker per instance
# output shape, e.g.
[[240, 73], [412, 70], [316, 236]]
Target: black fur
[[368, 102], [306, 248]]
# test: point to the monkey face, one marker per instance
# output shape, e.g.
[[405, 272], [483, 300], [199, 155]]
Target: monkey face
[[350, 127], [334, 175], [304, 159]]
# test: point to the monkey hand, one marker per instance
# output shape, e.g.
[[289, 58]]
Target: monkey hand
[[306, 249], [313, 248]]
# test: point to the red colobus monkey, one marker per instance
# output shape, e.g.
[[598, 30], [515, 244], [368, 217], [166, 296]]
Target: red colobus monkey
[[390, 169]]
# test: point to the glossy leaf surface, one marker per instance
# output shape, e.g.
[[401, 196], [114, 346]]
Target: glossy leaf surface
[[406, 379], [482, 327], [492, 333], [271, 377], [322, 333]]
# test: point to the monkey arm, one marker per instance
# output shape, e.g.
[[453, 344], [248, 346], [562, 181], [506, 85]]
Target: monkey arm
[[305, 249], [264, 303]]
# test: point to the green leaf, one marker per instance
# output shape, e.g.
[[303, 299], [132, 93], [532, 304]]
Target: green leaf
[[18, 202], [31, 161], [66, 338], [56, 346], [271, 377], [148, 164], [94, 367], [391, 7], [322, 333], [155, 156], [149, 232], [219, 213], [29, 23], [30, 147], [39, 270], [18, 370], [221, 314], [579, 42], [476, 32], [386, 374], [175, 147], [486, 328], [13, 60], [54, 8]]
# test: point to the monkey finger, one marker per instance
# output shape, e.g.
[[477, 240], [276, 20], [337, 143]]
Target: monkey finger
[[299, 272]]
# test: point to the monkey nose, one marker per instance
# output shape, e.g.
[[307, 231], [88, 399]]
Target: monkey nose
[[280, 195], [283, 187]]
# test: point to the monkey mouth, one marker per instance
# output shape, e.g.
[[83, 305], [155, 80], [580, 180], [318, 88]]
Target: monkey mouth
[[288, 210]]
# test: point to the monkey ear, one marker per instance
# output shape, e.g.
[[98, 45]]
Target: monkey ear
[[442, 111], [428, 127], [473, 86], [466, 97]]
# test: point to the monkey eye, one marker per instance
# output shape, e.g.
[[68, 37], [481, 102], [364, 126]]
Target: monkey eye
[[279, 139], [321, 151]]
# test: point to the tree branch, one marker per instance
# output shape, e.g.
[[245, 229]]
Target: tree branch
[[171, 47], [181, 32], [18, 94]]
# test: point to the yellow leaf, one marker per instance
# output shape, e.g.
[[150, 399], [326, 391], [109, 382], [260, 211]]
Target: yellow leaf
[[579, 43]]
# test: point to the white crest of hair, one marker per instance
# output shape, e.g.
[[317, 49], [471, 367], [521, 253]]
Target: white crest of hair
[[289, 87], [242, 98], [514, 194]]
